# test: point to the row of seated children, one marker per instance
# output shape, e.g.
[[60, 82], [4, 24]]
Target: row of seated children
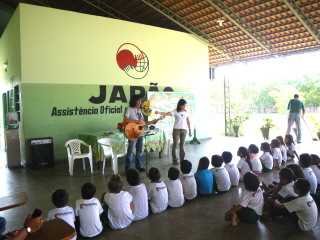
[[292, 196], [122, 205], [274, 155]]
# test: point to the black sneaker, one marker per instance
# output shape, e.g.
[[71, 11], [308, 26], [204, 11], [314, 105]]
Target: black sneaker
[[141, 170]]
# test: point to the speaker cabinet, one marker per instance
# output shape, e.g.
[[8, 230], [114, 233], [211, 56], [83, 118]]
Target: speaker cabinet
[[40, 153]]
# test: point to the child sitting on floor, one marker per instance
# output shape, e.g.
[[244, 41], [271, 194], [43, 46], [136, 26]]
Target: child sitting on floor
[[188, 180], [253, 151], [60, 198], [250, 207], [266, 158], [204, 177], [283, 149], [302, 211], [139, 194], [174, 187], [120, 207], [276, 153], [157, 192], [315, 166], [305, 162], [244, 165], [283, 192], [291, 152], [88, 210], [231, 168], [220, 175]]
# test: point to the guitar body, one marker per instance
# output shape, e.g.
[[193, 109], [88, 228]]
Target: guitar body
[[133, 130]]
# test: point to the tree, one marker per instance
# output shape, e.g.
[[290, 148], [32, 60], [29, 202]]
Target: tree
[[263, 101], [309, 87]]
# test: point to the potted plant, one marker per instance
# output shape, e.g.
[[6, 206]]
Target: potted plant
[[265, 129], [317, 128], [237, 123], [316, 125]]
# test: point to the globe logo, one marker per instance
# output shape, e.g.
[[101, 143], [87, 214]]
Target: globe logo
[[132, 61]]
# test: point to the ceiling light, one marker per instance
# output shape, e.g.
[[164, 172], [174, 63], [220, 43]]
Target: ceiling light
[[220, 22]]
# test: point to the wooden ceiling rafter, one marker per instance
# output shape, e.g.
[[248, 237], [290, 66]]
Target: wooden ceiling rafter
[[273, 20], [298, 12], [233, 17], [102, 6], [189, 27]]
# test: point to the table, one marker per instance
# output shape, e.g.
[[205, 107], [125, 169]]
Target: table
[[56, 229], [15, 200], [152, 143]]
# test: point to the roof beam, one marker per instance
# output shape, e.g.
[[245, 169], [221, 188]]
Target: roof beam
[[102, 6], [190, 28], [297, 11], [233, 17]]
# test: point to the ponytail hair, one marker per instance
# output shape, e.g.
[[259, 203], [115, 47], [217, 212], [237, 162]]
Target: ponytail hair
[[245, 154], [290, 140], [280, 138], [180, 104]]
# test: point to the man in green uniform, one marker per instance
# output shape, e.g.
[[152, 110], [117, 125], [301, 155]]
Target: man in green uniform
[[295, 107]]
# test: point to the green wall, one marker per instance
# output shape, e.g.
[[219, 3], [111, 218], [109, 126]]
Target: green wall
[[65, 57], [42, 103]]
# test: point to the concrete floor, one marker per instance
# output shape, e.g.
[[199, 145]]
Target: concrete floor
[[201, 218]]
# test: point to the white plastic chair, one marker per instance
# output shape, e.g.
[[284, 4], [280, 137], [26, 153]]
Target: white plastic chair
[[169, 140], [108, 152], [74, 152]]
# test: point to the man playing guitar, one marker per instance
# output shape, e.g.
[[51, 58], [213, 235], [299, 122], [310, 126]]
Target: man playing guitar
[[133, 114]]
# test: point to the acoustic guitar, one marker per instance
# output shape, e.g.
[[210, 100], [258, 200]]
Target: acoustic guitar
[[132, 131]]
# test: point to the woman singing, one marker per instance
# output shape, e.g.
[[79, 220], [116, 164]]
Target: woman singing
[[180, 128]]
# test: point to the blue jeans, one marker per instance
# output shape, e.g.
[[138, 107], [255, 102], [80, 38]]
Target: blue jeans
[[137, 144], [294, 118]]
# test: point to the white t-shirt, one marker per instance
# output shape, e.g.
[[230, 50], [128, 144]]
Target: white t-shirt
[[276, 154], [283, 151], [306, 211], [221, 177], [287, 191], [65, 213], [267, 160], [233, 172], [189, 186], [158, 196], [243, 166], [253, 200], [120, 214], [175, 193], [139, 200], [89, 211], [256, 164], [316, 172], [309, 175], [291, 149], [134, 114], [180, 119]]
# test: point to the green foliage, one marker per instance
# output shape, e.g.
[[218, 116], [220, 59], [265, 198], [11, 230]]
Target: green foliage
[[282, 95], [316, 123], [262, 100], [267, 123], [239, 119], [309, 86]]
